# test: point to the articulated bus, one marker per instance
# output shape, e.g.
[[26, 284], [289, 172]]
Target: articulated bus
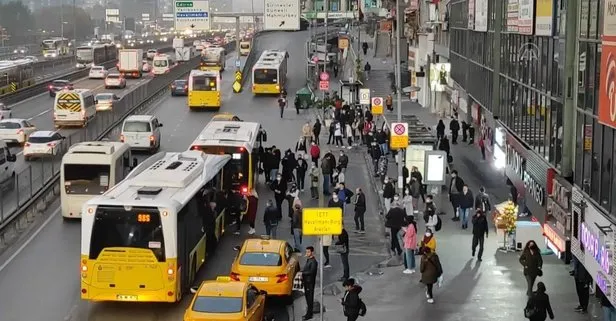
[[204, 89], [89, 169], [146, 238], [241, 140], [269, 74], [55, 47]]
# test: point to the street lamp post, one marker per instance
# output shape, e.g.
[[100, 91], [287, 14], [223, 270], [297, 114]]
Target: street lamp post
[[62, 18], [399, 89]]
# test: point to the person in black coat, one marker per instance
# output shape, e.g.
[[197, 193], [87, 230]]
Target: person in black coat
[[467, 201], [415, 173], [360, 210], [352, 305], [444, 146], [288, 165], [316, 131], [583, 280], [456, 186], [300, 170], [279, 186], [538, 307], [454, 127], [532, 262], [440, 130], [343, 242], [309, 278], [480, 232], [375, 155], [395, 220], [271, 216]]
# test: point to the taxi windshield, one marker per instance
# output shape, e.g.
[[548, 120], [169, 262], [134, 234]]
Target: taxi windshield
[[261, 259], [216, 304]]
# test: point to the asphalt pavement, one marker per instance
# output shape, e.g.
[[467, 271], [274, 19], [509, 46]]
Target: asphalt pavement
[[472, 290], [55, 287]]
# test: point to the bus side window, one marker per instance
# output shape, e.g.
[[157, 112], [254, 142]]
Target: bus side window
[[119, 170]]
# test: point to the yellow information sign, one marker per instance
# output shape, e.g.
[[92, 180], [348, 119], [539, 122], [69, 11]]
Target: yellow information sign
[[377, 105], [399, 137], [322, 221], [238, 75], [237, 86]]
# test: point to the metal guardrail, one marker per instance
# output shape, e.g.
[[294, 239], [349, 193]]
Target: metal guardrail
[[38, 184], [70, 75]]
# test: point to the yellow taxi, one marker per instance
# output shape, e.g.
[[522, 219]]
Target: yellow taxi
[[225, 117], [224, 299], [269, 264]]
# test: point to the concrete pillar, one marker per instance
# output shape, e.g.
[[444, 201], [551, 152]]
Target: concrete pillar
[[344, 5], [496, 60], [571, 68]]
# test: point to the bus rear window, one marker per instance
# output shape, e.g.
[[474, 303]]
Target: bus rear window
[[265, 76], [204, 83], [137, 127], [135, 228], [86, 179]]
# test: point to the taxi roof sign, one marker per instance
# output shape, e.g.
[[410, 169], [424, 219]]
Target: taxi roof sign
[[223, 279]]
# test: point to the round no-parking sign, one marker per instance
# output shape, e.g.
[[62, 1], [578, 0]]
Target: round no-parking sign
[[399, 136]]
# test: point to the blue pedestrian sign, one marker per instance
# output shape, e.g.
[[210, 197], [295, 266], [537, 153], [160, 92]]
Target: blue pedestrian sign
[[238, 63]]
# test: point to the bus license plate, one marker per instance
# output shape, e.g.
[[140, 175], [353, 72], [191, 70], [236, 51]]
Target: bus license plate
[[257, 279], [127, 297]]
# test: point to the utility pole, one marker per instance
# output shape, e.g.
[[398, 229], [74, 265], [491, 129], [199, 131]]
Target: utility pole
[[398, 88], [62, 18], [74, 24], [325, 61]]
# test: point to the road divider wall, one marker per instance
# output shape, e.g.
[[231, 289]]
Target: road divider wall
[[37, 186]]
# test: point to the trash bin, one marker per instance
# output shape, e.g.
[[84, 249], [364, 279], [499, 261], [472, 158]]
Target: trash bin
[[305, 97]]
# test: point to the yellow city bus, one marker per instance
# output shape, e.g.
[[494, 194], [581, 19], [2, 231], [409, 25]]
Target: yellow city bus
[[239, 139], [204, 89], [145, 239], [269, 74]]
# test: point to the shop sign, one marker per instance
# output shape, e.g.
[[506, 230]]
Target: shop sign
[[591, 242], [603, 283], [532, 187], [561, 194], [555, 239]]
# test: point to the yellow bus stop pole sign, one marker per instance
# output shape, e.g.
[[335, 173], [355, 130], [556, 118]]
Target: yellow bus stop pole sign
[[322, 221]]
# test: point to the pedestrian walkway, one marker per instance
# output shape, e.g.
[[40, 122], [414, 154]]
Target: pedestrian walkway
[[488, 290]]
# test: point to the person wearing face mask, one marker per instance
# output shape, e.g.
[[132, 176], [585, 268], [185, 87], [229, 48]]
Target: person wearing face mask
[[343, 162], [415, 189], [360, 209], [480, 229], [270, 219], [300, 171], [466, 205], [314, 182], [279, 186], [417, 175], [410, 244], [388, 193], [292, 196], [532, 262], [335, 201], [407, 201], [431, 270], [429, 207], [375, 155], [456, 184], [428, 241], [394, 220]]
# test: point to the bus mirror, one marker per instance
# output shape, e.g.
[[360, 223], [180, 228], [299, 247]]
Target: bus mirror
[[236, 248], [135, 162], [263, 135], [11, 158]]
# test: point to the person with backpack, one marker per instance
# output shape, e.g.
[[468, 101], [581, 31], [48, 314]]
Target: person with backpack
[[431, 271], [433, 221], [538, 306], [480, 232], [482, 201], [352, 305], [428, 241]]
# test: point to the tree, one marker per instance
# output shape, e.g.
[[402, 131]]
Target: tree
[[50, 19], [16, 18]]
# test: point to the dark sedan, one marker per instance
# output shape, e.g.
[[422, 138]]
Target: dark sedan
[[179, 88], [58, 85]]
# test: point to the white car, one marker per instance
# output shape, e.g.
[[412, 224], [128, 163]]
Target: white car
[[43, 143], [32, 58], [14, 130], [115, 81], [142, 132], [105, 101], [5, 111], [97, 72]]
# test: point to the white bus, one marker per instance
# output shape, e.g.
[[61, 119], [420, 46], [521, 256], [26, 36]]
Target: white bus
[[55, 47], [161, 64], [89, 169], [74, 108], [146, 238]]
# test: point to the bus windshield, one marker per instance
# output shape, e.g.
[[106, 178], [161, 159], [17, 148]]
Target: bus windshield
[[265, 76], [86, 179], [127, 227], [160, 63], [204, 83], [49, 44], [236, 171]]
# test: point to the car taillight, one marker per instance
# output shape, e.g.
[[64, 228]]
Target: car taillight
[[51, 144], [234, 276], [50, 87], [244, 190], [172, 87], [27, 145], [122, 138], [152, 138], [282, 278], [194, 148]]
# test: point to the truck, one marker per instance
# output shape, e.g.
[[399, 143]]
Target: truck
[[183, 54], [129, 64]]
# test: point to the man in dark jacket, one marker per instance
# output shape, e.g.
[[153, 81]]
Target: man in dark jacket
[[466, 205], [360, 210], [309, 278], [482, 201], [316, 131], [394, 220], [352, 305], [327, 168], [582, 285], [271, 218], [279, 186], [454, 127], [480, 232], [456, 184], [343, 161], [375, 154]]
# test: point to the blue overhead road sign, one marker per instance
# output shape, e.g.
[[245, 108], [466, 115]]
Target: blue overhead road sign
[[192, 14]]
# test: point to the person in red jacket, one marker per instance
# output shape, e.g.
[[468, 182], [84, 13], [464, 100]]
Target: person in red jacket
[[315, 154]]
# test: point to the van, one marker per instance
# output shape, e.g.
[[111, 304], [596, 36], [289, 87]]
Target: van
[[7, 165], [74, 108], [244, 48], [142, 132]]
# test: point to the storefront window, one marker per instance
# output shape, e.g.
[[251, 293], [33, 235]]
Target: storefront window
[[606, 165], [597, 141]]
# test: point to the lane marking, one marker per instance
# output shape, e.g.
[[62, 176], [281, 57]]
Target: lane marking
[[29, 240]]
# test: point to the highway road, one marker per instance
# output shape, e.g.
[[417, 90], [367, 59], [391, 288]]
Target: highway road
[[45, 271], [39, 280]]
